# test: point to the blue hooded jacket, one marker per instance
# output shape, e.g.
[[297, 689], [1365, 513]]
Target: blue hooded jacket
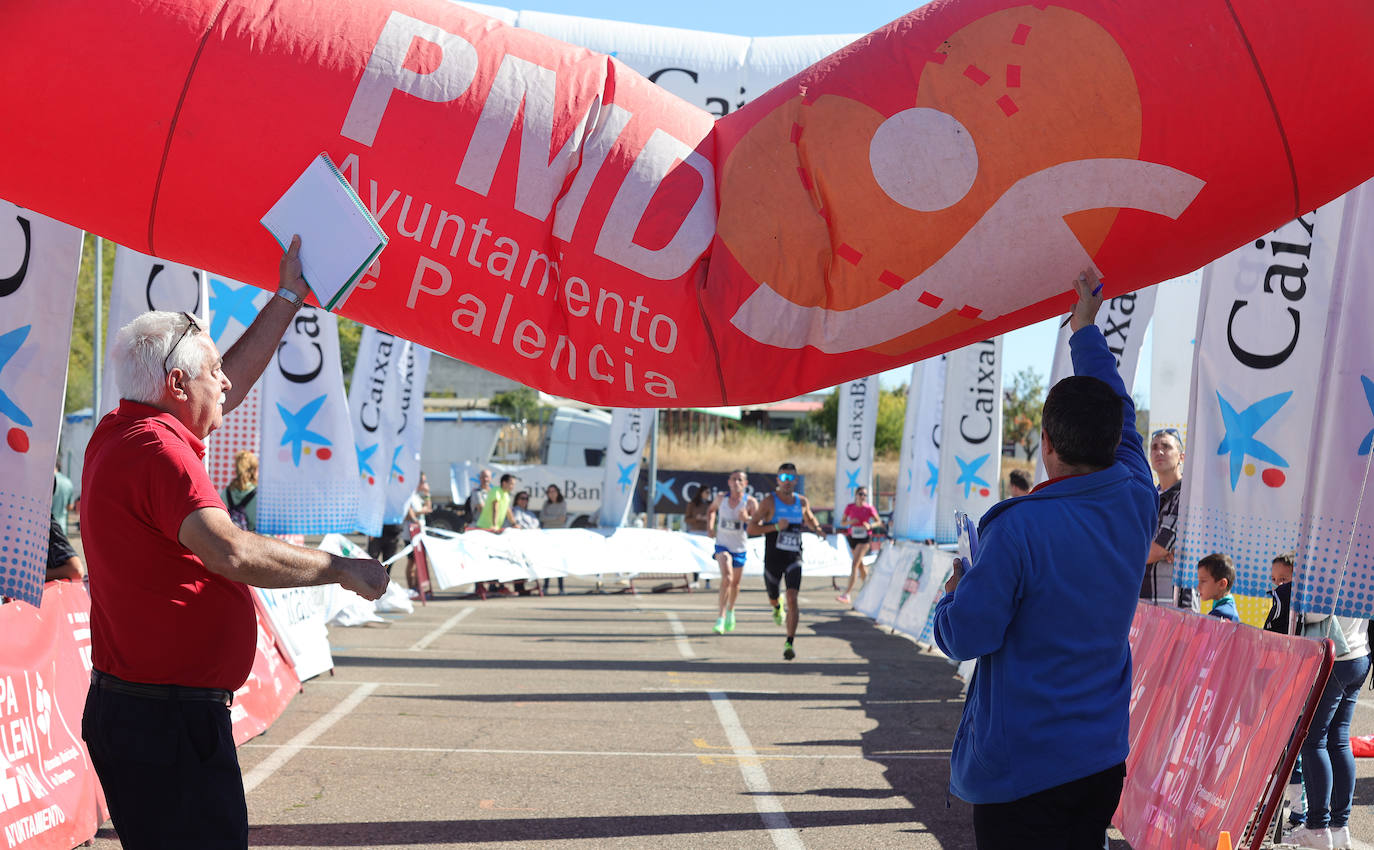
[[1046, 608]]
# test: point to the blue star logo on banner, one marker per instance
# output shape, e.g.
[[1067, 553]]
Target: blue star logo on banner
[[968, 473], [1240, 440], [230, 302], [396, 464], [852, 481], [1369, 399], [298, 431], [624, 479], [365, 458], [934, 480], [9, 344], [664, 490]]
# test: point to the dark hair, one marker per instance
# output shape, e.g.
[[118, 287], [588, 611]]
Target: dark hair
[[1083, 419], [1019, 479], [557, 493], [507, 477], [1219, 567], [523, 494], [702, 491], [1289, 558], [787, 467]]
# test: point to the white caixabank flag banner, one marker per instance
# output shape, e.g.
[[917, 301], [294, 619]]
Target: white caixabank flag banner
[[308, 482], [856, 426], [1171, 352], [1261, 349], [970, 435], [918, 472], [232, 308], [39, 260], [404, 470], [631, 428], [374, 410]]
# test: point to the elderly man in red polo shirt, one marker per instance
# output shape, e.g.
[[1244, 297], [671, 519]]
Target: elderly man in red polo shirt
[[172, 619]]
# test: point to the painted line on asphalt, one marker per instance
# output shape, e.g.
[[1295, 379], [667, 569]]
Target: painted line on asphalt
[[928, 756], [351, 682], [424, 642], [303, 739], [682, 645], [769, 807]]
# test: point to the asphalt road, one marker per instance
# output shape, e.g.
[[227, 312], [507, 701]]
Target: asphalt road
[[591, 720]]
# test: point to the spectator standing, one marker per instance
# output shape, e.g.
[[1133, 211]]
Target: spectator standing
[[1328, 764], [697, 516], [1046, 607], [1280, 612], [1018, 483], [63, 562], [477, 499], [61, 497], [495, 514], [521, 515], [1215, 576], [859, 520], [553, 514], [1166, 458], [240, 494], [173, 626]]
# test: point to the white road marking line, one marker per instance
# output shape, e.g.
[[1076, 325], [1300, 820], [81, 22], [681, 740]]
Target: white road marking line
[[769, 808], [942, 756], [682, 645], [425, 641], [698, 690], [351, 682], [287, 751]]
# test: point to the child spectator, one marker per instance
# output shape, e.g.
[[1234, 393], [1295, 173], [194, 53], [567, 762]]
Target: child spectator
[[1215, 575], [1281, 573]]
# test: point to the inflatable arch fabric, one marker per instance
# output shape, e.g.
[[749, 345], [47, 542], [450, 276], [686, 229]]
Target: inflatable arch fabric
[[557, 218]]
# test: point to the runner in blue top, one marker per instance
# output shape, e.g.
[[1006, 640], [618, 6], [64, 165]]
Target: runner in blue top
[[782, 518], [1046, 608]]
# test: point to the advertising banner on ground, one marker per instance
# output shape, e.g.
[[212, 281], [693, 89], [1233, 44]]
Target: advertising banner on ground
[[49, 796], [631, 429], [870, 597], [309, 476], [299, 617], [39, 259], [855, 429], [270, 686], [1261, 348], [927, 570], [918, 472], [1213, 705], [970, 435]]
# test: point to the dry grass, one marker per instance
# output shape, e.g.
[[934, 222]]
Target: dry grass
[[759, 451]]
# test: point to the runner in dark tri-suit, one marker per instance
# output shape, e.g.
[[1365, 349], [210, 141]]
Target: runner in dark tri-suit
[[782, 518]]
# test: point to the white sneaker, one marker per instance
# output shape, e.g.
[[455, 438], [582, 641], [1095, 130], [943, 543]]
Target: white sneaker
[[1316, 839], [1340, 838]]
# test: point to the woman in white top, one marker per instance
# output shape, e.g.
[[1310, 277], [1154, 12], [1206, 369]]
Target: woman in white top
[[732, 514], [1328, 765]]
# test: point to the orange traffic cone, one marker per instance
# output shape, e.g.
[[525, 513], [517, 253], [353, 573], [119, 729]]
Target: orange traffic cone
[[1224, 842]]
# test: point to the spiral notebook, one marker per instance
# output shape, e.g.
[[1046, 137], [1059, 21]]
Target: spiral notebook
[[339, 238]]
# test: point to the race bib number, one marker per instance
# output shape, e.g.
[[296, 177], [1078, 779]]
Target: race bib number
[[789, 540], [858, 532]]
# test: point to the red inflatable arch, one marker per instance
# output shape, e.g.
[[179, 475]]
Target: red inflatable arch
[[556, 218]]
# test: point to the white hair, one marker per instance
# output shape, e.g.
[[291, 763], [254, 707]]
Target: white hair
[[141, 347]]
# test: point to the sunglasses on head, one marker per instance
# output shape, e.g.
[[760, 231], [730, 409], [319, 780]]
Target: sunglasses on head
[[1172, 431], [191, 327], [786, 476]]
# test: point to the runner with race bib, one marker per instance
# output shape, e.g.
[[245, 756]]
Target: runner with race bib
[[782, 518]]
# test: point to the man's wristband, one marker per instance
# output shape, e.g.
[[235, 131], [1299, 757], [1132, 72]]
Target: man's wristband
[[295, 299]]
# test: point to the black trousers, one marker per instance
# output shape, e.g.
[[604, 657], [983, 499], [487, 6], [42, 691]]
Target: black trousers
[[169, 770], [1072, 816]]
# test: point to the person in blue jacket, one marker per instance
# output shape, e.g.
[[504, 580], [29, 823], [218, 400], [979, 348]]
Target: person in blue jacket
[[1046, 608]]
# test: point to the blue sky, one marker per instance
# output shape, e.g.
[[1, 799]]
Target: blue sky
[[1028, 347]]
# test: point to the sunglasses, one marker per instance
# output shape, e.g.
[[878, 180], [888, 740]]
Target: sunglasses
[[191, 327], [786, 476], [1171, 431]]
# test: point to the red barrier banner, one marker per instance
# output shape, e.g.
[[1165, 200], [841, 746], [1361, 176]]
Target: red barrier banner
[[270, 686], [49, 796], [1213, 705]]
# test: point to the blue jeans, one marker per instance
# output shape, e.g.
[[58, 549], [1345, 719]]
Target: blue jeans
[[1328, 765]]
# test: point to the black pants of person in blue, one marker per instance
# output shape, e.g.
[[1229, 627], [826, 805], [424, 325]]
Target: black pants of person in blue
[[1072, 816], [169, 770]]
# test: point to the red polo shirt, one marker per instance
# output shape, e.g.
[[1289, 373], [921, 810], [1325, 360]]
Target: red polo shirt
[[157, 614]]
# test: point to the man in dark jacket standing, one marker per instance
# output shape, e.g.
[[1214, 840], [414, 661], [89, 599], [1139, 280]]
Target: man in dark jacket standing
[[1046, 608]]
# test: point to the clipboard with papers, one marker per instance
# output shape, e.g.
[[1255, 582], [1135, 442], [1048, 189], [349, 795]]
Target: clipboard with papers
[[339, 237]]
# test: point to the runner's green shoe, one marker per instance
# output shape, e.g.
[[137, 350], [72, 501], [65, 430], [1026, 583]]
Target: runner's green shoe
[[788, 653], [777, 614], [720, 628], [730, 620]]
